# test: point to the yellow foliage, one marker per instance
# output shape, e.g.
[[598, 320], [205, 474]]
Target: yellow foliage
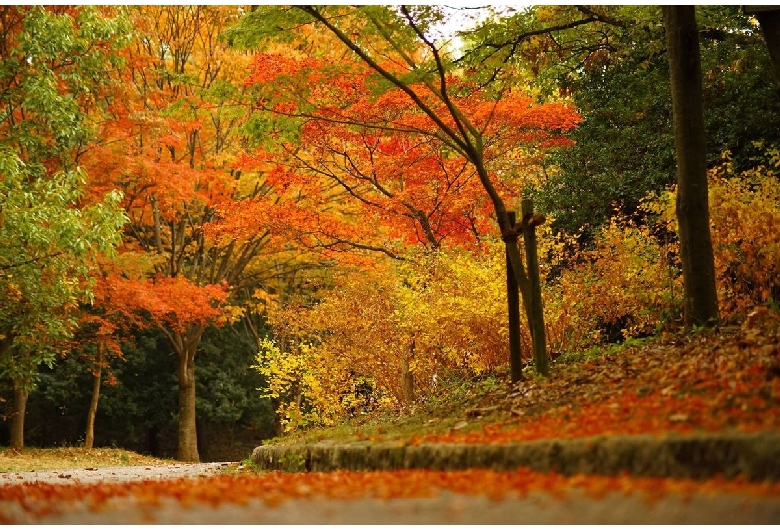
[[233, 313], [622, 288], [443, 314], [302, 379], [631, 282], [745, 215], [436, 315], [454, 304], [745, 225]]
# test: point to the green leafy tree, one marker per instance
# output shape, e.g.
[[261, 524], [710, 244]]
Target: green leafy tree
[[228, 407], [611, 62], [46, 247], [52, 66], [138, 409]]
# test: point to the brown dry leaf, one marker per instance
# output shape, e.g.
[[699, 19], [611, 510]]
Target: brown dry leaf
[[711, 382]]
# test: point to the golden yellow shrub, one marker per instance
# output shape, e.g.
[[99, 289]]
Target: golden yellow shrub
[[745, 224], [622, 288]]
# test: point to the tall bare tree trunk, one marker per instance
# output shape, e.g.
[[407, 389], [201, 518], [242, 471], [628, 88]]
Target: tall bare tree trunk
[[682, 36], [188, 435], [97, 377], [17, 416]]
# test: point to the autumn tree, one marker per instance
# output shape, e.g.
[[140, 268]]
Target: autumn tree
[[202, 235], [406, 63], [395, 188], [53, 64], [376, 160]]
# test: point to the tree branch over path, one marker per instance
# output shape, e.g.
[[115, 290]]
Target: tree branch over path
[[601, 17]]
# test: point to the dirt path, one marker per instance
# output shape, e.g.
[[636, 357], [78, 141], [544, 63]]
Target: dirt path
[[116, 474]]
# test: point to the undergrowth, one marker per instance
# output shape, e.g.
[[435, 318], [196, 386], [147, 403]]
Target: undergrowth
[[702, 380]]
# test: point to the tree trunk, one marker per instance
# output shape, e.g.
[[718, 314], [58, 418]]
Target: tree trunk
[[513, 312], [701, 302], [17, 416], [201, 439], [407, 377], [188, 437], [536, 310], [769, 19], [97, 376]]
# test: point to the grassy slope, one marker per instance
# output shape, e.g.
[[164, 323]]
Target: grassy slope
[[701, 382]]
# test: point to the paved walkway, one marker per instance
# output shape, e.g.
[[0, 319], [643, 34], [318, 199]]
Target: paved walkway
[[115, 474], [758, 457]]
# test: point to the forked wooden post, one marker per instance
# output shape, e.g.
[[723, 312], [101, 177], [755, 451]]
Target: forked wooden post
[[513, 305], [529, 224]]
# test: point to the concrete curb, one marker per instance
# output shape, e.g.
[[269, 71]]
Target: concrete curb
[[756, 457]]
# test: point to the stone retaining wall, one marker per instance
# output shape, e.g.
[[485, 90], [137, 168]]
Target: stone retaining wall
[[756, 457]]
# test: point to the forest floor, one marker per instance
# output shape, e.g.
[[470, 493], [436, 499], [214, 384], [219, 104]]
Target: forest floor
[[59, 458], [704, 382]]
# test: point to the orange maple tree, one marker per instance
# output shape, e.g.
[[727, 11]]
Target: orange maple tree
[[385, 56], [377, 175], [383, 162], [168, 142]]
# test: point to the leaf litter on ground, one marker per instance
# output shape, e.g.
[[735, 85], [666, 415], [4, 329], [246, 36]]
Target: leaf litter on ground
[[42, 500], [706, 382]]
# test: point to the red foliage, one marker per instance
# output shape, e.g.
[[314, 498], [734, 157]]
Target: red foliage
[[393, 168], [174, 302]]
